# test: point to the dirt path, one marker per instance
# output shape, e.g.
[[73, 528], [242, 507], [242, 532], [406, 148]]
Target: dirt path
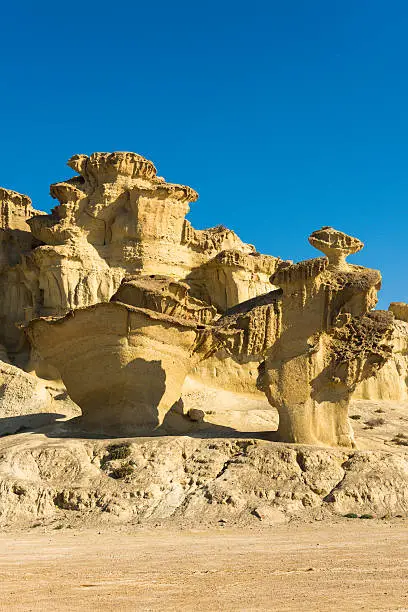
[[349, 565]]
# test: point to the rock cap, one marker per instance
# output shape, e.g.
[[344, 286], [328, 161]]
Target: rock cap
[[335, 245]]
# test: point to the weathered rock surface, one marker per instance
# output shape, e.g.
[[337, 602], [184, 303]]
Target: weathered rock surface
[[157, 328], [27, 403], [117, 218], [319, 339], [376, 482], [125, 365], [399, 310], [16, 241], [390, 382], [192, 481]]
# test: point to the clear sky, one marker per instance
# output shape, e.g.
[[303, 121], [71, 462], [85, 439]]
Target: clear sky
[[284, 115]]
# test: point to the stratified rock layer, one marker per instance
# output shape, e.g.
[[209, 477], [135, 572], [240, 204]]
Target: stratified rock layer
[[193, 482], [125, 364], [117, 218], [16, 242], [319, 339], [122, 298]]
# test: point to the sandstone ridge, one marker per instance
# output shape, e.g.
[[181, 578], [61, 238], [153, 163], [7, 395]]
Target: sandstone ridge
[[119, 318]]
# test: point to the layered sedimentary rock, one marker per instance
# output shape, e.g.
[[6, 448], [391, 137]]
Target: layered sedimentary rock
[[24, 400], [391, 381], [121, 297], [232, 277], [195, 482], [124, 364], [117, 218], [399, 310], [319, 337], [16, 242]]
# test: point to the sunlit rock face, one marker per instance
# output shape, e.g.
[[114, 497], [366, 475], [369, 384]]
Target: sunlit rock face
[[319, 338], [124, 364], [121, 297], [117, 218]]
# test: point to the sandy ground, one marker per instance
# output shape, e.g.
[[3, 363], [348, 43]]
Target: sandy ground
[[352, 564]]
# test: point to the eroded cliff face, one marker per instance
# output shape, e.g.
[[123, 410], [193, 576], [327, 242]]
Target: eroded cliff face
[[124, 362], [121, 297], [389, 382], [114, 219], [118, 218], [319, 337], [16, 242]]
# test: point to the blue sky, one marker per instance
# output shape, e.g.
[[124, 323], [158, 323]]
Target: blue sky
[[285, 116]]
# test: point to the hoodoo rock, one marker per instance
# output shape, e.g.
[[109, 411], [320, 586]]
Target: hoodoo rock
[[118, 218], [124, 362], [115, 296], [319, 338]]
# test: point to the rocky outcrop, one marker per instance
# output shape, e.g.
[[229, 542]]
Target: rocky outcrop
[[23, 400], [232, 277], [319, 337], [399, 310], [163, 294], [115, 302], [194, 482], [118, 218], [16, 242], [28, 402], [116, 280], [124, 364], [390, 382]]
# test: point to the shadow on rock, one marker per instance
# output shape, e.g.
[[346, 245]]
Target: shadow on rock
[[173, 426], [27, 422]]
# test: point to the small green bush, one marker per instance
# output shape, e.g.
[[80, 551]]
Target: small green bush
[[356, 417], [122, 472], [400, 439], [118, 451], [366, 516], [375, 422], [351, 515]]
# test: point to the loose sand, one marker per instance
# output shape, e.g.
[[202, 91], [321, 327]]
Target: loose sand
[[351, 564]]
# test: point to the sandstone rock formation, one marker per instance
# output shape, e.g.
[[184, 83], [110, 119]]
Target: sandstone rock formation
[[192, 482], [115, 302], [399, 310], [319, 337], [28, 402], [16, 242], [24, 401], [390, 382], [117, 218], [122, 298], [124, 362]]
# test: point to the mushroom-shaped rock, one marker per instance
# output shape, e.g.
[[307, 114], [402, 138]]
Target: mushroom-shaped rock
[[109, 166], [335, 245], [319, 339], [124, 362], [124, 366]]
